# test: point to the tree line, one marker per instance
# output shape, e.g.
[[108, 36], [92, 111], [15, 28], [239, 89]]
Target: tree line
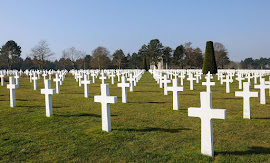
[[250, 63], [151, 54]]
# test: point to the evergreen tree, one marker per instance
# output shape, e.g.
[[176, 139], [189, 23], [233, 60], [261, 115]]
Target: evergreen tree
[[10, 54], [144, 64], [209, 62]]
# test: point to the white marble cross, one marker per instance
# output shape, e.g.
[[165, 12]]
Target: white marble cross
[[118, 76], [44, 75], [268, 83], [86, 82], [182, 77], [228, 81], [93, 77], [61, 76], [262, 88], [57, 83], [166, 81], [35, 78], [191, 78], [48, 97], [161, 79], [12, 86], [80, 79], [208, 82], [102, 78], [246, 94], [221, 75], [255, 77], [131, 79], [197, 75], [112, 76], [105, 99], [207, 113], [124, 86], [50, 75], [249, 77], [175, 89], [2, 78], [239, 78], [30, 75], [17, 77]]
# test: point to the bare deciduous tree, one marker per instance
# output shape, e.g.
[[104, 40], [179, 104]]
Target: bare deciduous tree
[[73, 54], [40, 53], [100, 58], [221, 55]]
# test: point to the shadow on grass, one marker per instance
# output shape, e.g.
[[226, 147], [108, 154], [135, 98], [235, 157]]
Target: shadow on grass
[[151, 102], [78, 93], [30, 106], [147, 91], [61, 106], [187, 94], [21, 100], [149, 129], [81, 115], [262, 118], [251, 150], [228, 98]]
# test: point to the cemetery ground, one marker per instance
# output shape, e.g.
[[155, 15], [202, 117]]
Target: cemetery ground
[[146, 129]]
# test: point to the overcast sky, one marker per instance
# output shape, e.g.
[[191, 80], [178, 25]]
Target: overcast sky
[[243, 26]]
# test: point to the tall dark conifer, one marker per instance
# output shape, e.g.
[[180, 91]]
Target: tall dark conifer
[[209, 62]]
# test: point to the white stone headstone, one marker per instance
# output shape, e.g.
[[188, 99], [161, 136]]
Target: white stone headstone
[[131, 80], [262, 88], [191, 78], [86, 82], [80, 79], [17, 77], [124, 86], [207, 113], [182, 77], [102, 78], [208, 82], [240, 79], [2, 76], [35, 78], [12, 86], [30, 75], [228, 81], [93, 77], [105, 99], [48, 92], [246, 94], [166, 81], [112, 77], [57, 83], [175, 89]]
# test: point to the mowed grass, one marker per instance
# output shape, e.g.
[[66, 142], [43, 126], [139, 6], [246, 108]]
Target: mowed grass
[[145, 129]]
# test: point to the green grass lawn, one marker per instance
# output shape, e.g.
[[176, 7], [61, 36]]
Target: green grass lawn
[[146, 129]]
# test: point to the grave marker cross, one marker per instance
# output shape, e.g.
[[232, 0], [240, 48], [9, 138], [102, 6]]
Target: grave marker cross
[[246, 94], [57, 83], [262, 88], [124, 86], [105, 99], [207, 113], [208, 83], [175, 89], [48, 92], [12, 86], [86, 82]]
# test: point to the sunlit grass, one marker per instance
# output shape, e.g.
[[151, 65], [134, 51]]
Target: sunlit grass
[[146, 129]]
